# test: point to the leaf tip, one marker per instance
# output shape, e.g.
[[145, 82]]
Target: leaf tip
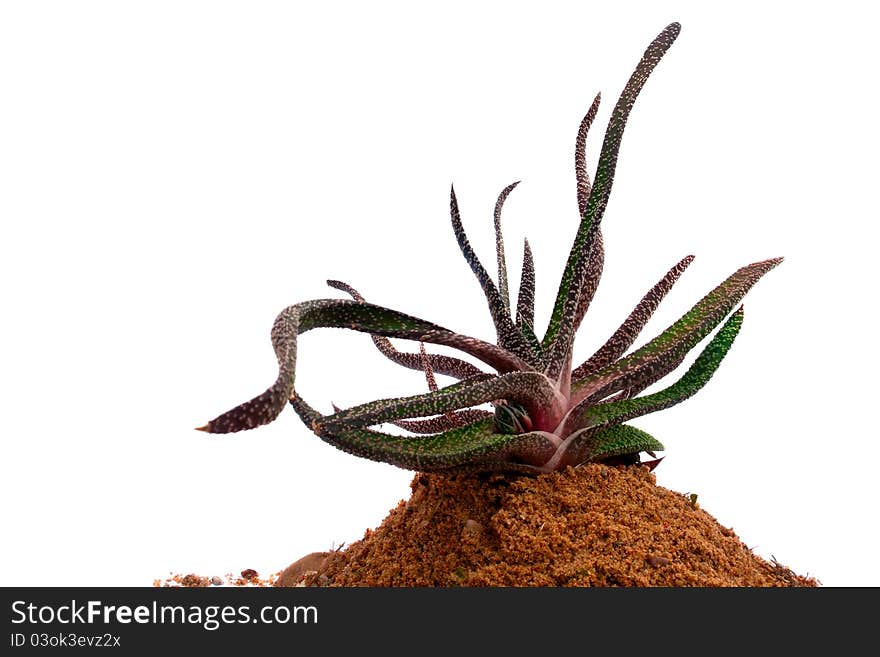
[[772, 263], [673, 29], [453, 202]]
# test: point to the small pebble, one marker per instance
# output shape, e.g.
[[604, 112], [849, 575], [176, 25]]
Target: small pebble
[[472, 529]]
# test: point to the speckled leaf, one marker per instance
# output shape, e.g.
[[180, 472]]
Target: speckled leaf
[[580, 156], [597, 254], [558, 354], [626, 335], [530, 389], [499, 247], [341, 313], [500, 359], [560, 329], [676, 340], [595, 265], [647, 377], [616, 440], [265, 407], [452, 419], [446, 365], [695, 378], [530, 337], [558, 339], [471, 447], [525, 303], [509, 337], [426, 366], [444, 422]]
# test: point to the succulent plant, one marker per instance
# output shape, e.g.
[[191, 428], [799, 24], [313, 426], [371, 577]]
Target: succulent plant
[[547, 414]]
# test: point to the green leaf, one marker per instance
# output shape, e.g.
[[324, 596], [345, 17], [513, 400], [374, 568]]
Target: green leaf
[[557, 340], [596, 257], [472, 447], [354, 315], [530, 389], [446, 365], [693, 380], [595, 264], [670, 346], [530, 337], [623, 337], [558, 351], [616, 440]]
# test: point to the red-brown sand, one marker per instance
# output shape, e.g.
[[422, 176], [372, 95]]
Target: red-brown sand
[[595, 525]]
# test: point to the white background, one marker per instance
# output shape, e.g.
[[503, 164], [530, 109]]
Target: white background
[[173, 174]]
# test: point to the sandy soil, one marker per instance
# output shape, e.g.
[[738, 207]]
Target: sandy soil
[[596, 525]]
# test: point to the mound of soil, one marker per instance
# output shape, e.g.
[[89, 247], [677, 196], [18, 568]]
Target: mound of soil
[[595, 525]]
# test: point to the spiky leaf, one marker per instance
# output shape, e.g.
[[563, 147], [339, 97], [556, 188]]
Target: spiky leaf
[[499, 247], [530, 389], [671, 345], [341, 313], [695, 378], [525, 303], [595, 264], [508, 336], [441, 364], [597, 252], [472, 447], [557, 339], [580, 156], [626, 335]]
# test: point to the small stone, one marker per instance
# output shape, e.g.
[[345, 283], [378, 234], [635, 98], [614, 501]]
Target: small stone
[[216, 581], [295, 573], [472, 529], [193, 580], [658, 561], [249, 573]]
